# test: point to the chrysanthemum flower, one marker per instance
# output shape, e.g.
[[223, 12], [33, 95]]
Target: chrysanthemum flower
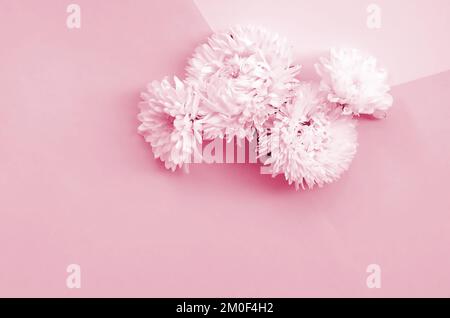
[[354, 83], [243, 75], [307, 143], [170, 122]]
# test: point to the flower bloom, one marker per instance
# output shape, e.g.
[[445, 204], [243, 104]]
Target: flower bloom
[[308, 143], [243, 76], [353, 82], [169, 122]]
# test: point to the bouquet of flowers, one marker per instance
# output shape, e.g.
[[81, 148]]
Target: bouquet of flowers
[[244, 84]]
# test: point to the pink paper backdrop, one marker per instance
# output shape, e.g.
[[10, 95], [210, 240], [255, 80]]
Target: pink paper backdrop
[[78, 185]]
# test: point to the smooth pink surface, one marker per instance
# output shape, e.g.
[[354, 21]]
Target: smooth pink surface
[[78, 185], [411, 43]]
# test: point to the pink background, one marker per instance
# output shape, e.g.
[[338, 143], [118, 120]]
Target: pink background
[[78, 185]]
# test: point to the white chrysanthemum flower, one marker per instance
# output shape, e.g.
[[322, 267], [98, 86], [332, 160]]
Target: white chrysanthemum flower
[[170, 122], [243, 75], [307, 143], [353, 81]]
